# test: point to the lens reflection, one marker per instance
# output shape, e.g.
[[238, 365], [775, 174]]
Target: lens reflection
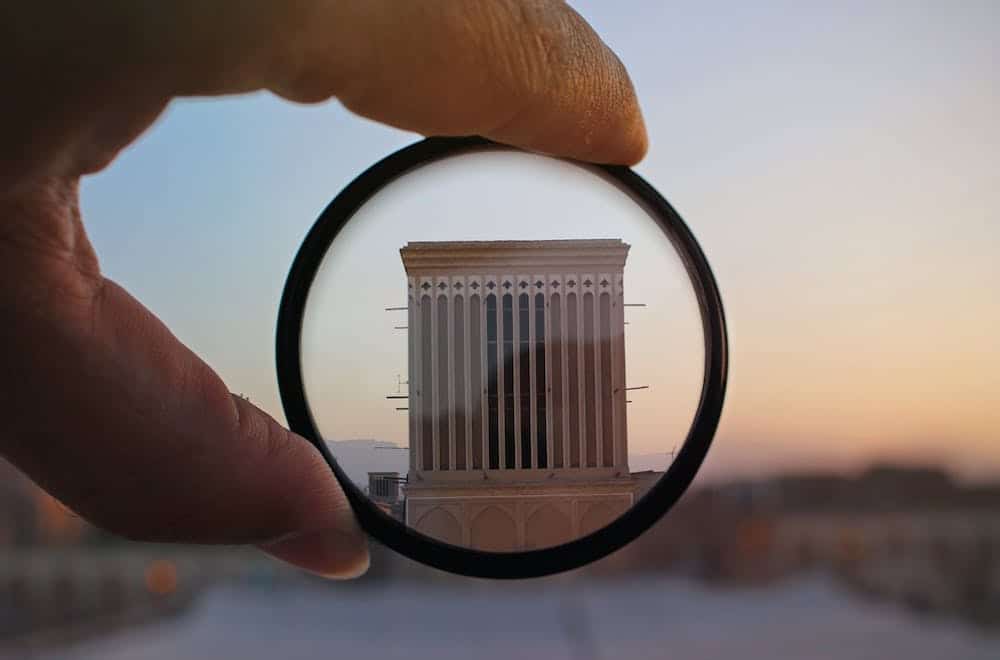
[[503, 350]]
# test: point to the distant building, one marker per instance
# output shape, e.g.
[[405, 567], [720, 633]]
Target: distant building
[[384, 490], [30, 516], [18, 517], [517, 391], [383, 486], [880, 488]]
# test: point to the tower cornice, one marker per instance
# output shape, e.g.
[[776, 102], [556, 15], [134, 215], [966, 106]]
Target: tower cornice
[[454, 257]]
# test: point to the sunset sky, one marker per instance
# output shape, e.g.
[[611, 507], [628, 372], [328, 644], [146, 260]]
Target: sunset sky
[[838, 164]]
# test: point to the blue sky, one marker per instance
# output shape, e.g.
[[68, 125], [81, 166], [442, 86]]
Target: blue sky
[[837, 161]]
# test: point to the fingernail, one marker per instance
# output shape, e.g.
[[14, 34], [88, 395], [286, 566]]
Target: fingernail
[[336, 554]]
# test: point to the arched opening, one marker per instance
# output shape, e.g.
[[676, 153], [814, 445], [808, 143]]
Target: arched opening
[[441, 525], [547, 527], [494, 530]]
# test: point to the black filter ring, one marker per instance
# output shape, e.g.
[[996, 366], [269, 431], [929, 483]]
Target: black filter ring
[[532, 563]]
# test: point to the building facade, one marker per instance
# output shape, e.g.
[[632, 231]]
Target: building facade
[[517, 414]]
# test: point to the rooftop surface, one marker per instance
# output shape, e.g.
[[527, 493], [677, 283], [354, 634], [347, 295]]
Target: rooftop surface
[[572, 254], [569, 243]]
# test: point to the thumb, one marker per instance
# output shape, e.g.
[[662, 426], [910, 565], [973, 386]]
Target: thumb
[[105, 409]]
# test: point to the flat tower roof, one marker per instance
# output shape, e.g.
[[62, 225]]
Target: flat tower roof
[[422, 257]]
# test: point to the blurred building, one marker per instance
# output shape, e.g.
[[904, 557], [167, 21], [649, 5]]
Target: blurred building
[[30, 516], [517, 391], [384, 489], [17, 507]]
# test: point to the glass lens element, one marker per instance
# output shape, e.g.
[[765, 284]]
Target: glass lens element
[[504, 351]]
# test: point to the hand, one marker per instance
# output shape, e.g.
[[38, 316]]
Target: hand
[[99, 403]]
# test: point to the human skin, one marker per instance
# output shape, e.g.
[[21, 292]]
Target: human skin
[[99, 403]]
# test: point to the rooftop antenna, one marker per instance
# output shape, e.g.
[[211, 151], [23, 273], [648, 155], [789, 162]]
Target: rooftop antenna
[[637, 387], [632, 305], [640, 387], [397, 309], [399, 380]]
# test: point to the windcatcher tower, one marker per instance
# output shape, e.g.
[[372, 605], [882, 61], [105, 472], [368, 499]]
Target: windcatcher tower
[[517, 421]]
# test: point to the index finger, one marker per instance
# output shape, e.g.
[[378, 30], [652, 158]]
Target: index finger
[[532, 74]]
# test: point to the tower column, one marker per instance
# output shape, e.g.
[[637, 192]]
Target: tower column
[[466, 395], [448, 410], [564, 365], [532, 376], [432, 388]]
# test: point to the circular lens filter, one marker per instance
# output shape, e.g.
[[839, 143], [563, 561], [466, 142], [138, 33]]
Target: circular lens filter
[[514, 364]]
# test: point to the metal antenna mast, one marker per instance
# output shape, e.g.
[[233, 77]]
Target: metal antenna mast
[[399, 381]]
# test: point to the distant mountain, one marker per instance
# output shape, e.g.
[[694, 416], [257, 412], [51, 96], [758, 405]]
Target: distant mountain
[[359, 457]]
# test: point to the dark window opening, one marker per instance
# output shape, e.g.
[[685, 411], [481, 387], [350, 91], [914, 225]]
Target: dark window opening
[[492, 375], [540, 412], [458, 379], [590, 378], [555, 346], [476, 382], [524, 372], [573, 369], [508, 380], [444, 403]]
